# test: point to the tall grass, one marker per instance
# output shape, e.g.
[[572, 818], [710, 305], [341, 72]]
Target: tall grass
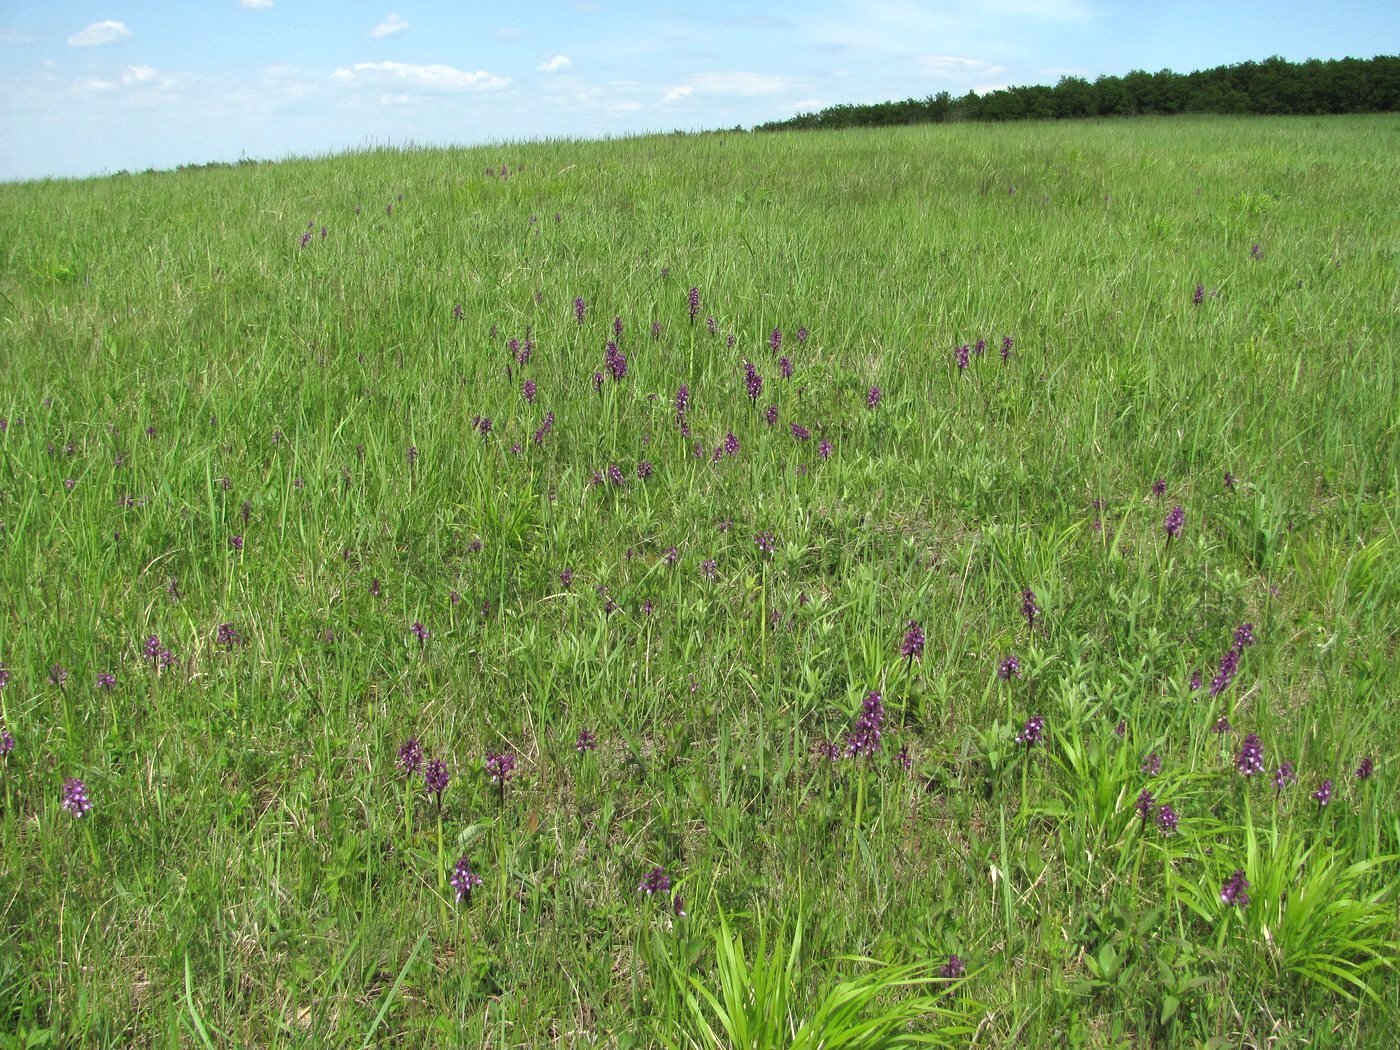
[[212, 419]]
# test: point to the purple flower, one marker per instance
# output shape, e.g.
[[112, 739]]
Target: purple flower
[[872, 399], [106, 680], [75, 799], [500, 768], [1195, 682], [1229, 665], [913, 647], [586, 741], [827, 749], [58, 675], [645, 469], [1152, 764], [678, 906], [656, 330], [615, 474], [785, 367], [672, 555], [694, 302], [464, 879], [767, 543], [597, 381], [410, 755], [566, 578], [1244, 635], [617, 327], [235, 543], [1143, 805], [753, 382], [770, 414], [4, 676], [708, 569], [1006, 343], [1366, 769], [420, 632], [731, 444], [905, 760], [615, 361], [546, 425], [1009, 668], [800, 432], [1176, 518], [1233, 891], [1199, 295], [7, 742], [1033, 732], [775, 340], [1256, 252], [1159, 487], [435, 777], [682, 400], [375, 587], [1167, 820], [1028, 608], [1250, 760], [457, 312], [1230, 482], [1283, 776], [961, 355], [1323, 794], [952, 969], [1221, 726], [579, 309], [656, 881], [824, 449], [527, 391], [864, 738], [711, 325]]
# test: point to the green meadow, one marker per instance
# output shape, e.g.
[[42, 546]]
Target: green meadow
[[302, 462]]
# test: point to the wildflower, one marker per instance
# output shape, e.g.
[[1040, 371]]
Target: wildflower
[[615, 474], [464, 879], [800, 432], [1233, 891], [306, 238], [1195, 682], [1006, 344], [7, 742], [1221, 726], [753, 382], [615, 361], [1256, 252], [1159, 487], [872, 399], [1009, 668], [1144, 804], [375, 587], [903, 757], [656, 881], [827, 749], [960, 356], [785, 367], [694, 303], [1283, 776], [775, 340], [500, 768], [1028, 608], [1033, 731], [824, 448], [767, 543], [457, 312], [527, 391], [771, 415], [1199, 296], [711, 325], [656, 330], [1121, 729], [617, 327], [420, 632], [731, 444], [566, 578], [708, 569], [913, 647], [1167, 820], [672, 555], [1230, 482], [1365, 770], [1152, 764], [4, 676], [952, 969], [979, 348], [58, 675], [1176, 518], [586, 741], [546, 425], [75, 799], [597, 381], [1323, 794], [678, 906], [579, 309], [106, 680], [410, 755], [682, 400], [1251, 757], [235, 543], [864, 739], [435, 777], [1244, 635], [645, 469], [1229, 665]]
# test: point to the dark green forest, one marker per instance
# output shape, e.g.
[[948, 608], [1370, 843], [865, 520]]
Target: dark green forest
[[1273, 87]]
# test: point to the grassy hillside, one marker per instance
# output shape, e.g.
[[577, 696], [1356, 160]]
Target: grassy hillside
[[302, 461]]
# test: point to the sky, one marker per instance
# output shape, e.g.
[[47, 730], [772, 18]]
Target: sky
[[95, 86]]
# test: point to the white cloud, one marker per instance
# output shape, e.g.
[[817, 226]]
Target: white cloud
[[255, 5], [555, 64], [392, 24], [955, 67], [139, 75], [107, 32], [747, 85], [678, 93], [510, 32], [10, 36], [428, 78]]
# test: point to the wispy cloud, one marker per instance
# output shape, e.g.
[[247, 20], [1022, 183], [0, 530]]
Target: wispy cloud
[[10, 36], [139, 75], [105, 32], [255, 5], [555, 64], [427, 78], [956, 67], [743, 85], [388, 27]]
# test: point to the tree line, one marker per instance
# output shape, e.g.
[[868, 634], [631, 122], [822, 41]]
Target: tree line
[[1273, 86]]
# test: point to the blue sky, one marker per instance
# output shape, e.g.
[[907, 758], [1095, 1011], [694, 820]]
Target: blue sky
[[92, 86]]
